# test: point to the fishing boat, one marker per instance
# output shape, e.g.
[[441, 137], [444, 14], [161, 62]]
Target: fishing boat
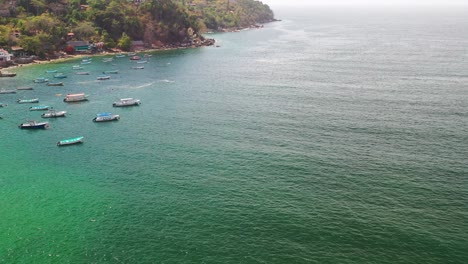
[[106, 116], [120, 55], [79, 97], [82, 73], [28, 101], [137, 67], [7, 91], [77, 67], [141, 62], [7, 74], [126, 102], [103, 77], [111, 71], [60, 76], [53, 113], [39, 108], [70, 141], [41, 80], [3, 105], [135, 58], [51, 71], [24, 88], [55, 84], [85, 62], [34, 125], [130, 54]]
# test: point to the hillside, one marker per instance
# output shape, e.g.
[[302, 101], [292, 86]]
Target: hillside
[[42, 26]]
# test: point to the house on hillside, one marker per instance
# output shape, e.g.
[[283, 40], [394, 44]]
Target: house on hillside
[[79, 46], [137, 45], [5, 58]]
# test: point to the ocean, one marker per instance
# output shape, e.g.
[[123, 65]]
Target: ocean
[[332, 136]]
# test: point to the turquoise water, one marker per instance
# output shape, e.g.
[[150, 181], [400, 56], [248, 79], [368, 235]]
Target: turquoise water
[[329, 137]]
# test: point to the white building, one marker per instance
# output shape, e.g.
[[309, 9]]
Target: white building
[[4, 55]]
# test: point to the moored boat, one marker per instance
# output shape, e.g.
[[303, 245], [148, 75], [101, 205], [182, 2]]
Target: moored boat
[[77, 67], [41, 80], [51, 71], [27, 101], [103, 77], [126, 102], [53, 113], [39, 108], [7, 91], [106, 116], [7, 74], [60, 76], [34, 125], [82, 73], [111, 71], [141, 62], [135, 58], [3, 105], [24, 88], [55, 84], [137, 67], [76, 97], [70, 141]]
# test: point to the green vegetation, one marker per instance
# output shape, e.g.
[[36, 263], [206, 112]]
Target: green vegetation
[[41, 26]]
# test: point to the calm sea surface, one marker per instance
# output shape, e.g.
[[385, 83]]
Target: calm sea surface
[[333, 136]]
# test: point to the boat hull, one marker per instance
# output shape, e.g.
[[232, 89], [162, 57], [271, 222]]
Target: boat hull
[[71, 141]]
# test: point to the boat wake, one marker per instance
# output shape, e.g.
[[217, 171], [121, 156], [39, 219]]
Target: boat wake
[[166, 81]]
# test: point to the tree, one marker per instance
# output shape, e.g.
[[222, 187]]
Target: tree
[[125, 42]]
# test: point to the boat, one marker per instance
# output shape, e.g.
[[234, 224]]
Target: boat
[[135, 58], [85, 62], [111, 71], [60, 76], [141, 62], [120, 55], [106, 116], [39, 108], [34, 125], [55, 84], [3, 105], [77, 67], [27, 101], [103, 77], [82, 73], [130, 54], [7, 91], [51, 71], [126, 102], [70, 141], [107, 59], [53, 113], [7, 74], [75, 97], [24, 88], [137, 67], [41, 80]]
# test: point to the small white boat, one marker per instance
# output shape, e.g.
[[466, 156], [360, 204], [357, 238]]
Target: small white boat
[[137, 67], [111, 72], [41, 80], [53, 113], [55, 84], [79, 97], [106, 116], [7, 91], [77, 67], [141, 62], [103, 77], [82, 73], [34, 125], [126, 102], [26, 101]]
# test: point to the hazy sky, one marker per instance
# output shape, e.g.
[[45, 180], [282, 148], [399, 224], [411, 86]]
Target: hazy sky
[[364, 2]]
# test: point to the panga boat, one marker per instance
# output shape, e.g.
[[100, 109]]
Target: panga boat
[[138, 67], [106, 116], [26, 101], [55, 84], [143, 61], [7, 74], [111, 71], [76, 97], [82, 73], [39, 108], [103, 77], [53, 113], [135, 58], [34, 125], [126, 102], [24, 88], [77, 67], [7, 91], [41, 80], [51, 71], [70, 141], [60, 76]]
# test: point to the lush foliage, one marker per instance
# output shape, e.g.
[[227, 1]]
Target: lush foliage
[[41, 26]]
